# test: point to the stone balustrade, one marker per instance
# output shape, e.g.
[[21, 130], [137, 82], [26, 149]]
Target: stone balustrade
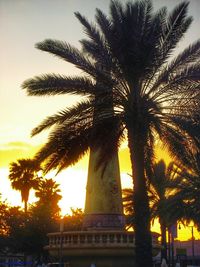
[[89, 239]]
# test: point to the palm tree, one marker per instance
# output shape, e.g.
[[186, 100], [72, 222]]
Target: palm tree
[[44, 216], [191, 188], [127, 200], [165, 192], [48, 192], [24, 177], [125, 64], [166, 199]]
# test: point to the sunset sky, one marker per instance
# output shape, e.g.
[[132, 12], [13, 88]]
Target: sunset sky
[[22, 24]]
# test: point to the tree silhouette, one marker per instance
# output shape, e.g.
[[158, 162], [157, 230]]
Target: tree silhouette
[[166, 199], [48, 193], [165, 191], [23, 176], [191, 188], [27, 233], [125, 64], [74, 222]]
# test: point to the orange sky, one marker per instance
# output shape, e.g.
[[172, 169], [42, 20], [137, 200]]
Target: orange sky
[[73, 182], [24, 23]]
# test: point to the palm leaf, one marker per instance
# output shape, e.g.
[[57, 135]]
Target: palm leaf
[[57, 84], [80, 111], [65, 147], [96, 46]]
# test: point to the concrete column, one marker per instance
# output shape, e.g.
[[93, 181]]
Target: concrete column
[[103, 206]]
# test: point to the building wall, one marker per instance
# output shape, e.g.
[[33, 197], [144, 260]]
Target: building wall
[[188, 246]]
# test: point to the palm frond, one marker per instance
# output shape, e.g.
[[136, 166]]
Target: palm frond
[[131, 23], [108, 134], [187, 75], [175, 142], [76, 135], [184, 84], [155, 32], [72, 55], [80, 111], [116, 12], [65, 147], [190, 55], [105, 24], [171, 31], [190, 127], [51, 84], [176, 25], [90, 30], [96, 46]]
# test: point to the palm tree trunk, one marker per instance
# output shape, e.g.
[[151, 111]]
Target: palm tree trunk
[[25, 221], [143, 240], [163, 239], [25, 207]]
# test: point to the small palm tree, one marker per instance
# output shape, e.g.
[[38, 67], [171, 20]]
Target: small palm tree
[[48, 192], [125, 64], [164, 192], [191, 188], [166, 199], [24, 177]]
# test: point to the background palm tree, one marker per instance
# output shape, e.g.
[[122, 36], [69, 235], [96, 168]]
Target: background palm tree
[[48, 192], [24, 177], [164, 191], [166, 199], [128, 206], [191, 188], [151, 99]]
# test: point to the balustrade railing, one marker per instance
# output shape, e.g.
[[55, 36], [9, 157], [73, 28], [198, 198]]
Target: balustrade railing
[[92, 238]]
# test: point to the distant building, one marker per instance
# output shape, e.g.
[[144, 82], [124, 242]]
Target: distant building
[[181, 246]]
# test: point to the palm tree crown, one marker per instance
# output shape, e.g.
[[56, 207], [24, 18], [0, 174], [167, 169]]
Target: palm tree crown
[[48, 192], [23, 176], [126, 62]]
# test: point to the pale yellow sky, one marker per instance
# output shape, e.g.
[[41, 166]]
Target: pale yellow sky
[[24, 23]]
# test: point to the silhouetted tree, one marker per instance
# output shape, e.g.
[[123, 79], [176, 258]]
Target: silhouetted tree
[[191, 188], [3, 216], [30, 236], [125, 64], [164, 191], [73, 222], [48, 192], [23, 176], [167, 200]]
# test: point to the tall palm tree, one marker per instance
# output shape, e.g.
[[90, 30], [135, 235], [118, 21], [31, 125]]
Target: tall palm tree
[[24, 177], [128, 53]]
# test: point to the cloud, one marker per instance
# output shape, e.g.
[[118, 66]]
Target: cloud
[[15, 146], [15, 150]]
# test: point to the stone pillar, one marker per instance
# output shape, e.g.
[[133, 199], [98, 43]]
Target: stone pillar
[[103, 206]]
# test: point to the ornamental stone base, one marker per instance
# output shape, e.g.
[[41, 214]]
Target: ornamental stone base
[[102, 248]]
